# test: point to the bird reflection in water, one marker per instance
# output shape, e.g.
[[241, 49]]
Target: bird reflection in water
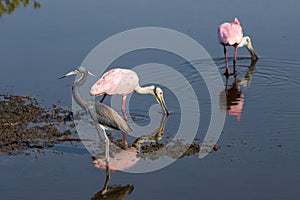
[[124, 159], [234, 102], [114, 193], [110, 192]]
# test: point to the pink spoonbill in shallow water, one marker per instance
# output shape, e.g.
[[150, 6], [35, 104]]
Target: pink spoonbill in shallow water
[[231, 34], [122, 82]]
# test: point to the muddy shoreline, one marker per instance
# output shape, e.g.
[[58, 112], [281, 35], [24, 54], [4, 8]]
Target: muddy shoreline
[[25, 124]]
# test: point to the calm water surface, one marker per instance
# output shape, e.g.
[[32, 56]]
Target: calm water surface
[[259, 154]]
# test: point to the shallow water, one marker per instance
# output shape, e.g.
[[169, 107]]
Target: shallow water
[[259, 154]]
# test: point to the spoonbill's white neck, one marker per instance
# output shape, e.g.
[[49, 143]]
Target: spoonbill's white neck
[[246, 41], [145, 90]]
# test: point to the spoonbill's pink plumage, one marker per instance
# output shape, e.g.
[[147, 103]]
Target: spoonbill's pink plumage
[[231, 34], [116, 82], [122, 82]]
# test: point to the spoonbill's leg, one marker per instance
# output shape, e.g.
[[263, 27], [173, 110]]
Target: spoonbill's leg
[[234, 59], [103, 98], [226, 86], [126, 118], [226, 59], [106, 148], [124, 140], [123, 107]]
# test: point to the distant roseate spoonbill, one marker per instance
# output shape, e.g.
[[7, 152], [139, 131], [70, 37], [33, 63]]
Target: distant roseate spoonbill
[[231, 34], [103, 115], [122, 82]]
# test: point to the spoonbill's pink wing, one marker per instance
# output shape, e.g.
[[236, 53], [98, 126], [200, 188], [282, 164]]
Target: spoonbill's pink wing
[[116, 82]]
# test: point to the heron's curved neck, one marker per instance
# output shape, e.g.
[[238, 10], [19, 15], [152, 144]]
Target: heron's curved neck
[[76, 94], [145, 90]]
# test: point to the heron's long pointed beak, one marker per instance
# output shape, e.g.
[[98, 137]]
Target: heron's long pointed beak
[[69, 74], [90, 73], [161, 101], [251, 51]]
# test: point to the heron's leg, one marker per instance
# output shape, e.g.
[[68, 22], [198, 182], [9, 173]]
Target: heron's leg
[[123, 107], [103, 98], [104, 190], [105, 187], [105, 138], [226, 60], [106, 148], [98, 131], [234, 59]]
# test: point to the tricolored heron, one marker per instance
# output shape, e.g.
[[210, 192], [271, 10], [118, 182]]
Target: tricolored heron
[[103, 115]]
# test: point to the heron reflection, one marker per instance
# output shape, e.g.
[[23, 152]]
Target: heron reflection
[[122, 159], [111, 192], [114, 193]]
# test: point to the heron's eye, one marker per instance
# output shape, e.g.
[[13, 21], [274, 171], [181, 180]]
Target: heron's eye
[[161, 93]]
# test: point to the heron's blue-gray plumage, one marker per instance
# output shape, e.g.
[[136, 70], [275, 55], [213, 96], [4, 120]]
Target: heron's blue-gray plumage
[[99, 112], [109, 118]]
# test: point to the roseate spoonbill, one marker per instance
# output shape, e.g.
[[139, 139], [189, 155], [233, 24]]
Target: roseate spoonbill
[[103, 115], [122, 82], [231, 34]]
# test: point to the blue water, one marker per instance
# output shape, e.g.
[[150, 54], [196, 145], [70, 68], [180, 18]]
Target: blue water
[[259, 154]]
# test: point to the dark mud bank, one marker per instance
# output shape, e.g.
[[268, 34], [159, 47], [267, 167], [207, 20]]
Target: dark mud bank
[[25, 124]]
